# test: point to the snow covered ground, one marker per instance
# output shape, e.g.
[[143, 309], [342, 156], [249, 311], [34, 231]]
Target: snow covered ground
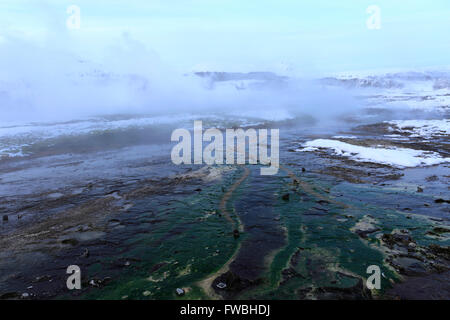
[[397, 157], [425, 129]]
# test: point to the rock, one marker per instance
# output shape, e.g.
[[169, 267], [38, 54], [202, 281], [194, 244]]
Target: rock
[[42, 278], [198, 189], [221, 285], [9, 295], [365, 226], [412, 245], [5, 217], [72, 242], [179, 291], [440, 200], [127, 264], [441, 230], [85, 254], [409, 266], [285, 197], [419, 189], [93, 283], [396, 239], [146, 293], [236, 233], [441, 251], [303, 169], [25, 295]]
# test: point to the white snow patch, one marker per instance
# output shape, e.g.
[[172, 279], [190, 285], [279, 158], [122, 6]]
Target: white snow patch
[[398, 157], [422, 128], [345, 137]]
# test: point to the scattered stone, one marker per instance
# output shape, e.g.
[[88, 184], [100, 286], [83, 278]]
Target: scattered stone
[[440, 250], [432, 178], [25, 295], [236, 233], [198, 189], [127, 263], [396, 238], [419, 189], [303, 169], [5, 217], [179, 291], [285, 197]]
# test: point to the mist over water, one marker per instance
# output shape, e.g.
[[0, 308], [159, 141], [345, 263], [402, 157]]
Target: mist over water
[[51, 81]]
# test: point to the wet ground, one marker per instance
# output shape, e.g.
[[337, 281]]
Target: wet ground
[[140, 227]]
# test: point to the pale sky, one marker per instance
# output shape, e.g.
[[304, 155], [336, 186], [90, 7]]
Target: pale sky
[[232, 35]]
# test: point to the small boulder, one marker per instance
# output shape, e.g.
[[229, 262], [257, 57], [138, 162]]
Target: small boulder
[[221, 285], [180, 292]]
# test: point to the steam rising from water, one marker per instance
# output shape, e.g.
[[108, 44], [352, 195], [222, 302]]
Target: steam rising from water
[[48, 82]]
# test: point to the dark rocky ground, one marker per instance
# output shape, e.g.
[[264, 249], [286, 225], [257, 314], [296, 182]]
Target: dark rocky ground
[[140, 227]]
